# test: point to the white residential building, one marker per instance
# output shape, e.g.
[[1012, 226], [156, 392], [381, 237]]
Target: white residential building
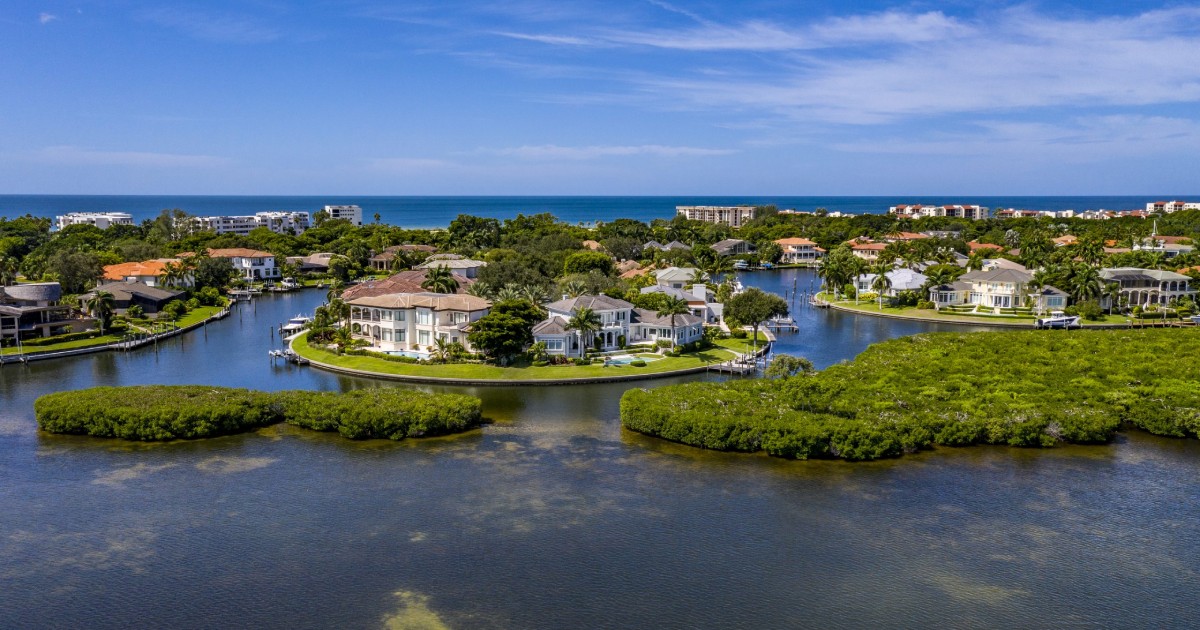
[[619, 319], [734, 216], [412, 323], [278, 222], [1167, 207], [901, 280], [457, 264], [102, 220], [1142, 287], [914, 211], [996, 288], [353, 214], [251, 264], [799, 251]]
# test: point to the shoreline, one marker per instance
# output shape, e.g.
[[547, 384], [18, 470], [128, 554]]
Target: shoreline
[[983, 321]]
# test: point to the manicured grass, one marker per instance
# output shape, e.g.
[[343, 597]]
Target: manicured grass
[[66, 345], [194, 317], [936, 316], [479, 372]]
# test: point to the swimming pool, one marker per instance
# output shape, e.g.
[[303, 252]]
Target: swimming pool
[[626, 359], [408, 353]]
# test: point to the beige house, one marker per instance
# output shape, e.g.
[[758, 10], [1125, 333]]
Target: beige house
[[799, 251], [410, 323]]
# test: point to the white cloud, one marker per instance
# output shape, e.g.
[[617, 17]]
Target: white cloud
[[46, 18], [75, 156], [555, 152]]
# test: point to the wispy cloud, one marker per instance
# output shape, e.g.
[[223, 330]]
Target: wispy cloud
[[227, 28], [75, 156], [46, 18], [555, 152]]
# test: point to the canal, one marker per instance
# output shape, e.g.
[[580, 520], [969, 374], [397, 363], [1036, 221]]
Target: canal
[[552, 516]]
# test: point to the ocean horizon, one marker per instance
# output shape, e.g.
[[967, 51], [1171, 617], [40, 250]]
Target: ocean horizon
[[422, 212]]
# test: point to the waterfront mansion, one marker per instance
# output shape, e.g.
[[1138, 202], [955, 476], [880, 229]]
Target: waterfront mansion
[[620, 322], [412, 322]]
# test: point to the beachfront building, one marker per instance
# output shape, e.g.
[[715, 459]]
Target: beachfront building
[[916, 211], [1143, 287], [734, 216], [619, 321], [353, 214], [278, 222], [102, 220], [901, 280], [148, 272], [35, 310], [798, 251], [412, 323], [251, 264], [1167, 207]]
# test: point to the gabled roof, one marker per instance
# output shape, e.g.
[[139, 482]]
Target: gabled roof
[[675, 274], [451, 263], [644, 316], [676, 245], [997, 275], [594, 302], [794, 242], [552, 326]]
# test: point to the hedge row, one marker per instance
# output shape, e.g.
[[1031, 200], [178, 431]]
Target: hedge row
[[1020, 388], [169, 412]]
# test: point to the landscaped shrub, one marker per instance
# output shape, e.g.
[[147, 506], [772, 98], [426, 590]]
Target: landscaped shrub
[[637, 363], [912, 393], [540, 363], [168, 412]]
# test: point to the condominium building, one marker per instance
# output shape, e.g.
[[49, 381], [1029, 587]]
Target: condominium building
[[734, 216], [353, 214], [1167, 207], [915, 211], [278, 222], [102, 220]]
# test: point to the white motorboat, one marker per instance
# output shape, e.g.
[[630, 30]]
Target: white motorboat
[[1059, 319], [294, 326]]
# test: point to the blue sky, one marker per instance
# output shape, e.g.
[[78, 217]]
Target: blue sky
[[600, 98]]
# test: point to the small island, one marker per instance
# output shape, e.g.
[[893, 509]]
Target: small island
[[1016, 388], [176, 412]]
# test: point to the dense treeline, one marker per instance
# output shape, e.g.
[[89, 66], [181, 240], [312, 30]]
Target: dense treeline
[[169, 412], [1020, 388]]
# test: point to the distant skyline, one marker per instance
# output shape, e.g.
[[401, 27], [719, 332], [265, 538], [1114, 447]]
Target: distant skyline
[[536, 97]]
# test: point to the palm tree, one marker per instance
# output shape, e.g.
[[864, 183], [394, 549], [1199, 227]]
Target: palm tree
[[440, 350], [671, 307], [101, 306], [585, 322], [339, 310], [440, 279], [480, 289], [173, 274], [8, 270], [1086, 282], [574, 288], [342, 338], [335, 290], [1112, 291], [882, 282], [508, 293]]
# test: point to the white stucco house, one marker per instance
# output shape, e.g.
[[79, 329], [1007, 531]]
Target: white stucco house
[[412, 322], [619, 319]]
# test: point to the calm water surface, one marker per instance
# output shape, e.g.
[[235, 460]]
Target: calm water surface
[[553, 517]]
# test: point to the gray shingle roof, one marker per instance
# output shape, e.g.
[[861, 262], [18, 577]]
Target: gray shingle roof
[[594, 302]]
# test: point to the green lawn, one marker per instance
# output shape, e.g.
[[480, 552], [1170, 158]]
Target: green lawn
[[193, 317], [935, 316], [473, 371]]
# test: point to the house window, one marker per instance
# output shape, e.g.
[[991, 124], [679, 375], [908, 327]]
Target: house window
[[423, 337], [387, 316], [424, 317], [400, 316], [554, 345], [401, 335], [387, 334]]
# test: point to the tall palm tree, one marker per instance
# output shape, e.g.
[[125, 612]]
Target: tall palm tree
[[882, 282], [1112, 291], [440, 279], [508, 293], [585, 322], [101, 306], [339, 310], [8, 270], [173, 274], [1086, 282], [480, 289], [672, 307], [335, 290]]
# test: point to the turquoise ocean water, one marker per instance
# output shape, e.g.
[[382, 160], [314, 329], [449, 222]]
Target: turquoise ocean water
[[430, 212]]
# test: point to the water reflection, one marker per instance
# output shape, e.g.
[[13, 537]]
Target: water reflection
[[553, 516]]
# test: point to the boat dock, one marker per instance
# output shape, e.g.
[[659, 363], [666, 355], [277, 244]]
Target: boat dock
[[288, 356]]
